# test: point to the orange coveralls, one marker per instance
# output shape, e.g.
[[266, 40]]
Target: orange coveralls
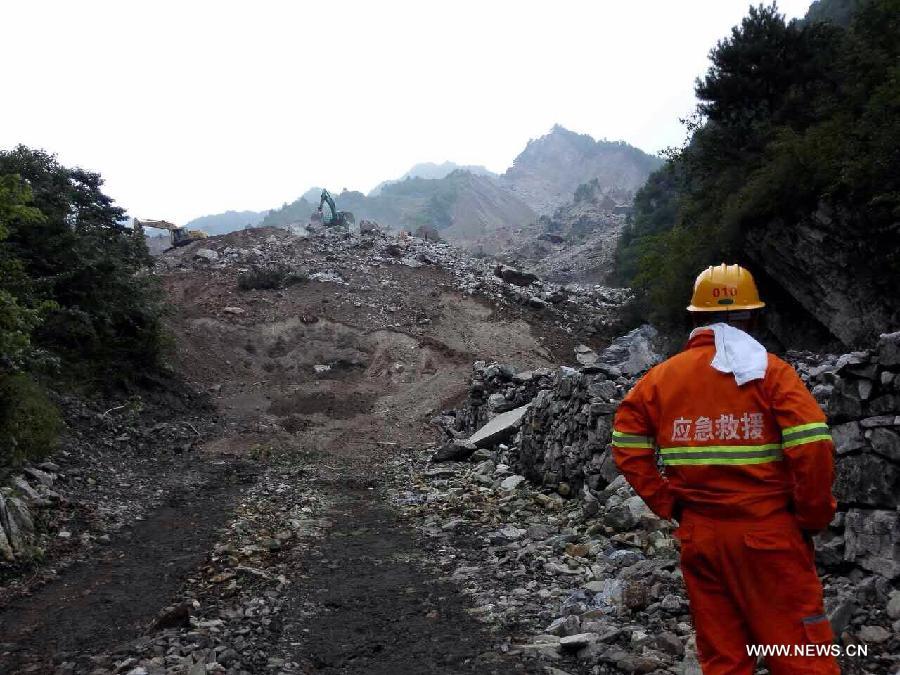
[[746, 471]]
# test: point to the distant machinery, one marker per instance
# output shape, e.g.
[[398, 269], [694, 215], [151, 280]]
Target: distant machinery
[[180, 236]]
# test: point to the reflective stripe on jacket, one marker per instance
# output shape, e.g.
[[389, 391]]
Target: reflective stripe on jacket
[[725, 450]]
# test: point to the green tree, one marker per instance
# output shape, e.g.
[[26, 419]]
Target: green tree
[[790, 116], [106, 321], [16, 321]]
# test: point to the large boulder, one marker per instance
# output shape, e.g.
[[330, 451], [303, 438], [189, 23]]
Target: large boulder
[[515, 276], [634, 352], [498, 429]]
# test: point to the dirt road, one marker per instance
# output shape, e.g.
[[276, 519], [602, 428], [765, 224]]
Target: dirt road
[[317, 392]]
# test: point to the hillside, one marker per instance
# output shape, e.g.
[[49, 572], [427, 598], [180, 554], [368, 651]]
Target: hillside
[[223, 223], [464, 207], [432, 171], [479, 210], [547, 172]]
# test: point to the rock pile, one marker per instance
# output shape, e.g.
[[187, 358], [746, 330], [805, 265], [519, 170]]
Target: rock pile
[[563, 440], [335, 256], [582, 562], [106, 475], [562, 446], [592, 585], [589, 584], [229, 614], [860, 392], [565, 432]]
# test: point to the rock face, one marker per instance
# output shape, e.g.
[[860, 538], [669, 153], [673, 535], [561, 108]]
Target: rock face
[[809, 262], [578, 242], [547, 172]]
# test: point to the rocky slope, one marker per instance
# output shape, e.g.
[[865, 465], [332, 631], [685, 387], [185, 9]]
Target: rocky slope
[[577, 243], [547, 172]]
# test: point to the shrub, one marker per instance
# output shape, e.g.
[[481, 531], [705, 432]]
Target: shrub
[[29, 423], [269, 278]]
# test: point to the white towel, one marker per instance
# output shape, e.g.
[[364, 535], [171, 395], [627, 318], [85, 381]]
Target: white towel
[[737, 353]]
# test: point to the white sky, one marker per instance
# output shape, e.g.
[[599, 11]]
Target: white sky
[[196, 107]]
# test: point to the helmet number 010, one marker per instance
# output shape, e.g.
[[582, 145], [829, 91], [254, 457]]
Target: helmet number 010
[[724, 291]]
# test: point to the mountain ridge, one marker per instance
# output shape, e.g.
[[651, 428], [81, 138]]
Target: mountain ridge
[[476, 208]]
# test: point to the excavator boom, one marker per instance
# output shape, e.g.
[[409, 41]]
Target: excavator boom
[[179, 235], [344, 218]]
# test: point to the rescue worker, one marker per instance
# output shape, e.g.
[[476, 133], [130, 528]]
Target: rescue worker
[[747, 468]]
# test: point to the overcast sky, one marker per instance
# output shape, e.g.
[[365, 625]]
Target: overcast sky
[[190, 107]]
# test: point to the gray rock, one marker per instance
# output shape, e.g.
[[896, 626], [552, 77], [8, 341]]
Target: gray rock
[[670, 643], [829, 549], [628, 514], [23, 486], [889, 349], [865, 389], [839, 616], [6, 549], [844, 402], [867, 479], [847, 437], [454, 451], [886, 443], [880, 421], [498, 429], [893, 605], [577, 641], [206, 254], [633, 353], [585, 355], [511, 483], [884, 404], [39, 476], [17, 523], [514, 276], [874, 634]]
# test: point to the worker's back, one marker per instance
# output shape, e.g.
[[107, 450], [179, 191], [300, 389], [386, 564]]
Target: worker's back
[[721, 444]]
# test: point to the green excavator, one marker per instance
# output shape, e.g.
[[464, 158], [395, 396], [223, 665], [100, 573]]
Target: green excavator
[[339, 218]]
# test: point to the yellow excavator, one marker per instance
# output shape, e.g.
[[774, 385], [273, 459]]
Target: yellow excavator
[[340, 218], [180, 236]]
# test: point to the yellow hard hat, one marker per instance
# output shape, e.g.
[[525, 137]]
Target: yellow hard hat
[[725, 288]]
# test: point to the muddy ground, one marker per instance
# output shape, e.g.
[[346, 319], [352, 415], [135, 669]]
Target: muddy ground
[[314, 392]]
